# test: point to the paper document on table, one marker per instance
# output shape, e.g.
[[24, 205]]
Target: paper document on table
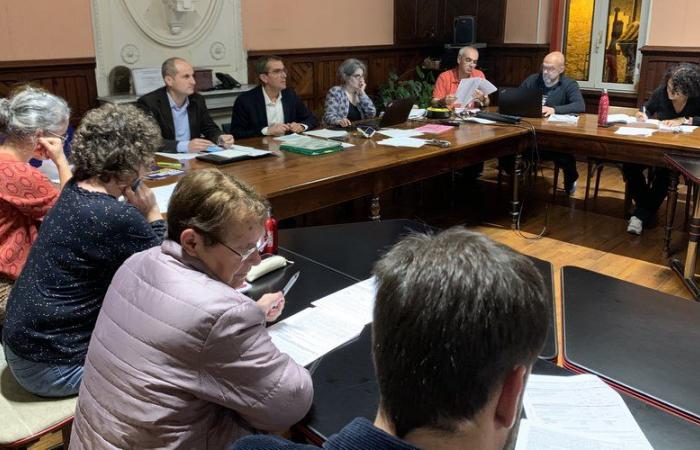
[[582, 404], [532, 436], [434, 128], [479, 120], [403, 142], [633, 131], [355, 302], [677, 128], [416, 113], [240, 150], [163, 194], [311, 333], [632, 121], [178, 156], [398, 133], [563, 118], [288, 137], [326, 133]]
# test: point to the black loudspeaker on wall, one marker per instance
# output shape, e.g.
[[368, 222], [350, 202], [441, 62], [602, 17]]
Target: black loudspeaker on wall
[[464, 30]]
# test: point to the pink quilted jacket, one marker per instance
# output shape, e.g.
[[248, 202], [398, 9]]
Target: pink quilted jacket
[[181, 360]]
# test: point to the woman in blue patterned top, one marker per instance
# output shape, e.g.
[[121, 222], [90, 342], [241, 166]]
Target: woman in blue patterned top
[[348, 103], [82, 242]]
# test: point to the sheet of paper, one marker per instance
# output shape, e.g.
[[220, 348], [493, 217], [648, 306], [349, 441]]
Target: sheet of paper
[[347, 144], [239, 150], [677, 128], [465, 90], [532, 436], [163, 194], [479, 120], [416, 113], [582, 404], [355, 302], [288, 137], [326, 133], [634, 131], [486, 86], [397, 133], [403, 142], [620, 118], [178, 156], [433, 128], [311, 333], [563, 118]]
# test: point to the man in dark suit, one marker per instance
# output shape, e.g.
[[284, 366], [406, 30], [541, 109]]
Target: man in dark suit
[[271, 109], [182, 115]]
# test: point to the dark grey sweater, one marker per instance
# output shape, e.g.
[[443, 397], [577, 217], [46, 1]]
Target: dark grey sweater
[[565, 96]]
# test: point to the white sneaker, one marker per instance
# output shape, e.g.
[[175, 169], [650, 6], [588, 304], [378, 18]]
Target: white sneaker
[[572, 190], [635, 226]]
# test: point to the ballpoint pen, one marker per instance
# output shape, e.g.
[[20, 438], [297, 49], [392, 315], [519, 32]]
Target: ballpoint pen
[[290, 283]]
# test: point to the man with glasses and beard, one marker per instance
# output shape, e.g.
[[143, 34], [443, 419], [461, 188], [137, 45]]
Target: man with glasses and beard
[[271, 109], [458, 323], [560, 95]]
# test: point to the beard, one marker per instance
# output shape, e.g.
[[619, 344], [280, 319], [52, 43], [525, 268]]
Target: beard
[[549, 80]]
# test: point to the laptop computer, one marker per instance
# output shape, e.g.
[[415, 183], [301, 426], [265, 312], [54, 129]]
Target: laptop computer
[[395, 113], [520, 102]]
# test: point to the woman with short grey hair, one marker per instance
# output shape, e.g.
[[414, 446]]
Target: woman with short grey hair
[[349, 102], [33, 124], [84, 239]]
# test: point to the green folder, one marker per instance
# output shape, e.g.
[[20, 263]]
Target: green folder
[[310, 146]]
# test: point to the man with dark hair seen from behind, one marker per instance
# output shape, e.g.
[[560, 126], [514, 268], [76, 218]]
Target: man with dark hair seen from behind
[[182, 114], [458, 323]]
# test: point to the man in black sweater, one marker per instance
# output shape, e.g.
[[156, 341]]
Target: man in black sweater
[[560, 95]]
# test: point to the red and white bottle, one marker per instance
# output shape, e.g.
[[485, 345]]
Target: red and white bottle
[[270, 234], [603, 106]]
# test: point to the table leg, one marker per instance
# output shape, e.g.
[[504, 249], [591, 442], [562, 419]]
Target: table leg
[[515, 181], [670, 211], [375, 209], [691, 256]]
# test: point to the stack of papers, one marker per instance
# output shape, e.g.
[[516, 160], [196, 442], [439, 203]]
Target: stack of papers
[[334, 320], [326, 133], [563, 118], [178, 156], [632, 121], [403, 142], [467, 86], [241, 150], [163, 194], [678, 128], [479, 120], [634, 131], [581, 410], [416, 113], [397, 133]]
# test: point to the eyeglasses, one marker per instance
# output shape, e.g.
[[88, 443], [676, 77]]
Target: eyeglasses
[[468, 60], [358, 76], [260, 246], [277, 72], [549, 68], [62, 137]]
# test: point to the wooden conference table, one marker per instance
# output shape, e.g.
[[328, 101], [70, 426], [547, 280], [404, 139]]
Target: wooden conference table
[[297, 184]]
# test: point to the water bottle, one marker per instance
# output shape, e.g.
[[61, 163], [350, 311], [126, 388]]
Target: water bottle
[[270, 234], [603, 106]]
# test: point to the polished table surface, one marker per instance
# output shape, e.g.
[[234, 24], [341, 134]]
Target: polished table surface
[[345, 387], [353, 248], [638, 338]]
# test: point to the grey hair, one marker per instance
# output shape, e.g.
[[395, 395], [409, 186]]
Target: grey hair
[[168, 68], [32, 109], [349, 66], [463, 50], [114, 142]]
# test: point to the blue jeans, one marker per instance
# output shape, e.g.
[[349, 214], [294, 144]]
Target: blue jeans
[[44, 379]]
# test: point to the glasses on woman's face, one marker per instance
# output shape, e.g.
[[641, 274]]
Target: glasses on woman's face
[[358, 76], [259, 247], [62, 137]]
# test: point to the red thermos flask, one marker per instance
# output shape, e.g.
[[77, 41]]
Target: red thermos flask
[[271, 234]]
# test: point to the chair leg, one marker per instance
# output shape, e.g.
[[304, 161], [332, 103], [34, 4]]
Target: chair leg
[[628, 200], [499, 178], [555, 182], [598, 173], [589, 174]]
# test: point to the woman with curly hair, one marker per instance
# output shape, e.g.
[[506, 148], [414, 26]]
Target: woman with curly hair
[[32, 124], [83, 240], [675, 102]]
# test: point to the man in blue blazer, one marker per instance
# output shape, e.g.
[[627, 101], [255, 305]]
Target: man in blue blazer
[[271, 109], [182, 114]]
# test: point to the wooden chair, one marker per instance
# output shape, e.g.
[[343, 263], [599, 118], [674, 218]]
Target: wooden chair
[[595, 167], [24, 417]]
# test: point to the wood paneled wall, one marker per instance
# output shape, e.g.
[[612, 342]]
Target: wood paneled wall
[[311, 72], [72, 79], [656, 61], [507, 65]]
